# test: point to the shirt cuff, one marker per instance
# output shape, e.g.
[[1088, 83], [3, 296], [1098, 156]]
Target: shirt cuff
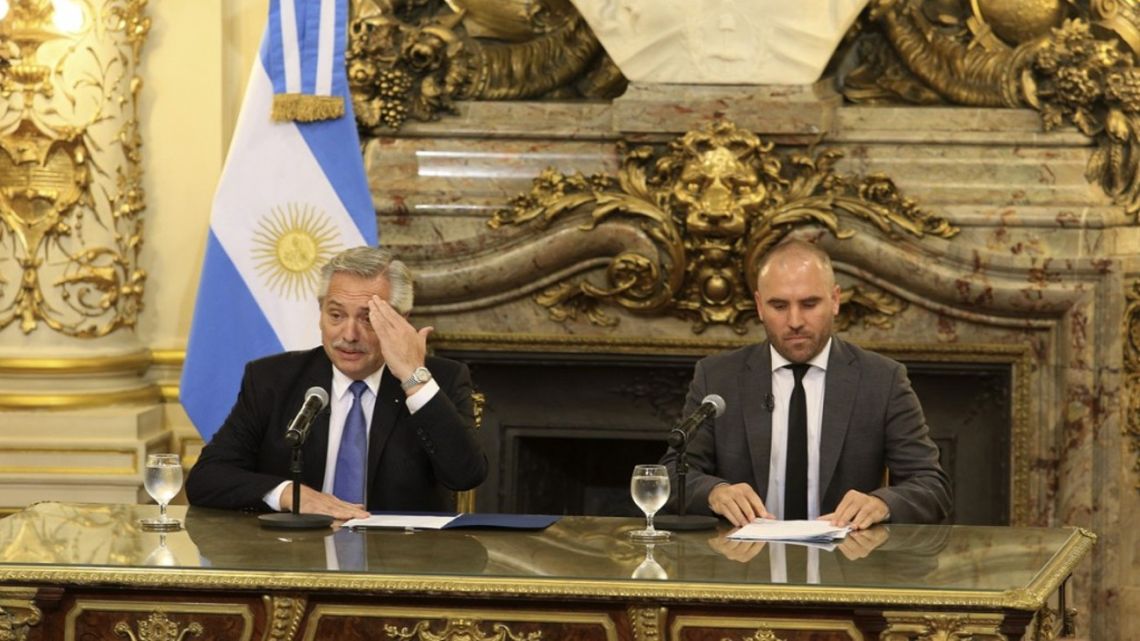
[[422, 396], [273, 497]]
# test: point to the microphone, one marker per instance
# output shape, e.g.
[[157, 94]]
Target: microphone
[[769, 402], [711, 405], [316, 399]]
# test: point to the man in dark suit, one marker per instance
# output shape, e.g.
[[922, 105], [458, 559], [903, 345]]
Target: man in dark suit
[[811, 421], [399, 430]]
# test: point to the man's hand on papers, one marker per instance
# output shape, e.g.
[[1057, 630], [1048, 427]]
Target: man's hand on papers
[[733, 550], [859, 543], [314, 502], [858, 511], [738, 503]]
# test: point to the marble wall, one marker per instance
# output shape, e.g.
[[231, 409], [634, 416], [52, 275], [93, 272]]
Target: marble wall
[[1035, 276]]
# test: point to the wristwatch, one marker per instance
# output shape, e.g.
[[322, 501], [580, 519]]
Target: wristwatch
[[419, 376]]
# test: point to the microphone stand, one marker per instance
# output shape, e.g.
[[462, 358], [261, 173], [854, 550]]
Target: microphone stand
[[295, 520], [681, 520]]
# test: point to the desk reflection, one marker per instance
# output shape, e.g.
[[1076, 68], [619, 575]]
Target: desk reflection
[[335, 549], [862, 556]]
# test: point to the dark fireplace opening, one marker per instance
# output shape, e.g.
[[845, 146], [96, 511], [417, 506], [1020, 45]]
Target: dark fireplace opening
[[563, 432], [578, 475]]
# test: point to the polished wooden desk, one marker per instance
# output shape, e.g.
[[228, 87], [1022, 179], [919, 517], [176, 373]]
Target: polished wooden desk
[[78, 572]]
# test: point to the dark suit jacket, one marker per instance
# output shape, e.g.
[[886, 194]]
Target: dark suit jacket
[[871, 420], [414, 461]]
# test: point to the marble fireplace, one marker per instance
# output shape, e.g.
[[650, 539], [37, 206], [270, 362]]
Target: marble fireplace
[[563, 434], [1002, 278]]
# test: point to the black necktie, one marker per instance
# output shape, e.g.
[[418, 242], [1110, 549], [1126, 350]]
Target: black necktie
[[795, 481]]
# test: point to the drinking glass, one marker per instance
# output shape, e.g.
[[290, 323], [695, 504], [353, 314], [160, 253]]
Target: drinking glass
[[649, 488], [162, 481]]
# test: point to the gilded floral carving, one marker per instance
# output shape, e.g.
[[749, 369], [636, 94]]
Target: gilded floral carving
[[1045, 55], [71, 192], [1131, 332], [937, 626], [417, 58], [711, 204], [461, 629], [158, 627]]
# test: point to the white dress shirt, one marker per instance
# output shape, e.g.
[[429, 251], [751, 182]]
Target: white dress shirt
[[783, 380], [340, 401]]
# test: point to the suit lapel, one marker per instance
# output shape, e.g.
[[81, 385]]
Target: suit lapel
[[319, 374], [390, 401], [840, 390], [755, 386]]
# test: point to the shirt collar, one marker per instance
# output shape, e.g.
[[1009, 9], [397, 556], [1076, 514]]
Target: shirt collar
[[341, 382], [819, 361]]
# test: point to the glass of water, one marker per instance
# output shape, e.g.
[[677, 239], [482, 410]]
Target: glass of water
[[162, 481], [649, 488]]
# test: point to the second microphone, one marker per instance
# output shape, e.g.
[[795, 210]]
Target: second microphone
[[711, 405]]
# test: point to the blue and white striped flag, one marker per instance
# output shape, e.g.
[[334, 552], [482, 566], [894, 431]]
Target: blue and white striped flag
[[292, 194]]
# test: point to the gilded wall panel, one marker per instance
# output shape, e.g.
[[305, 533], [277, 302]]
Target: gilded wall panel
[[71, 167]]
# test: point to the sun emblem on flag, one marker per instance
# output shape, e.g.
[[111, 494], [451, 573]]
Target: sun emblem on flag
[[291, 245]]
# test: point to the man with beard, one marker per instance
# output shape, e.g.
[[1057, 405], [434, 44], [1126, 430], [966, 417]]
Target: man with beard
[[812, 421], [399, 430]]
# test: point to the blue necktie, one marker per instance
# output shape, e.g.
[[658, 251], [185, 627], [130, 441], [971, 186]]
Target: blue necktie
[[348, 484]]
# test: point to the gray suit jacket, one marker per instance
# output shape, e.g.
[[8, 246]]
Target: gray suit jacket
[[871, 420]]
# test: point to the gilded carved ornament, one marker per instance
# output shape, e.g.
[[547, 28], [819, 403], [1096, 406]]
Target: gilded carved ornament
[[417, 58], [711, 204], [461, 629], [1132, 373], [1073, 61], [158, 627], [937, 626], [762, 634], [71, 193], [18, 613], [646, 622], [285, 614]]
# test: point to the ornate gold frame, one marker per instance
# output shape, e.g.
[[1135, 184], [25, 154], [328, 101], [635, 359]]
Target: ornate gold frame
[[172, 607]]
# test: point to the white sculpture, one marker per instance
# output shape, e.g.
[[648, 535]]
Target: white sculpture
[[724, 42]]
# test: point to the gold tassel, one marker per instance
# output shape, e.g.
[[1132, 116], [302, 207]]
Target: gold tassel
[[306, 107]]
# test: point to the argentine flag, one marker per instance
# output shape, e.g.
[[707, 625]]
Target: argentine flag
[[292, 194]]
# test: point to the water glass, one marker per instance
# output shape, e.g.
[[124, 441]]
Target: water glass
[[649, 487], [162, 481]]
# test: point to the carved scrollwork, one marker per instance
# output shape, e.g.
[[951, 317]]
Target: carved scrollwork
[[920, 626], [711, 205], [1046, 625], [1072, 61], [872, 308], [459, 630], [18, 614], [285, 614], [158, 627], [416, 58], [70, 173], [762, 634], [647, 623], [1131, 331]]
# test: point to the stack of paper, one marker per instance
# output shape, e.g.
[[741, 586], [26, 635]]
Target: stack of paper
[[451, 521], [800, 531]]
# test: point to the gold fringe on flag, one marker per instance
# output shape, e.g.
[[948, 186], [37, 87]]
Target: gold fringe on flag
[[306, 107]]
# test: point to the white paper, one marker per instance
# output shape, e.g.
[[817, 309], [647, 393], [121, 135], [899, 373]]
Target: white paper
[[406, 521], [803, 531]]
